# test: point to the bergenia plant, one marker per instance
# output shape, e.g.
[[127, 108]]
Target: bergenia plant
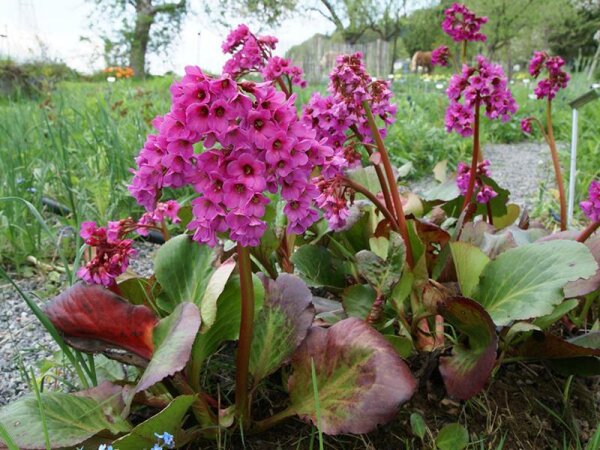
[[301, 261], [555, 80]]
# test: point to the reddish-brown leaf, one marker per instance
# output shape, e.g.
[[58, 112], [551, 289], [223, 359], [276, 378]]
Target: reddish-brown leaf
[[90, 312]]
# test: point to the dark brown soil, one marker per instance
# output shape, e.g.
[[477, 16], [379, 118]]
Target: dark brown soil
[[522, 407]]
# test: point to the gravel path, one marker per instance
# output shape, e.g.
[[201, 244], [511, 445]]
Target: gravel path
[[520, 168], [23, 341]]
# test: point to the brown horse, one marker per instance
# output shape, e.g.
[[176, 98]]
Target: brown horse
[[421, 61]]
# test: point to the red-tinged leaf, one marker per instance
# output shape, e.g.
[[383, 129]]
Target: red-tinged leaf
[[433, 237], [91, 314], [548, 346], [375, 158], [113, 398], [466, 372], [359, 378], [173, 337], [282, 324]]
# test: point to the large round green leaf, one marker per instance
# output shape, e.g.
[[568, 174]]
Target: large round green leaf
[[70, 419], [184, 269], [527, 281]]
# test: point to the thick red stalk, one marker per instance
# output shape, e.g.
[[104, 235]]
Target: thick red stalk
[[363, 190], [585, 234], [557, 170], [384, 187], [474, 159], [246, 329], [389, 173]]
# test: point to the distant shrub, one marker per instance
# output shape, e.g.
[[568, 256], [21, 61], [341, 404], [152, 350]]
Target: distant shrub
[[32, 78]]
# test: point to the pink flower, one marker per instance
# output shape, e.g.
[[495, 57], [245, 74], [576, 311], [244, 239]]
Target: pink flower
[[483, 84], [461, 24], [556, 80], [591, 206], [111, 253], [526, 125], [484, 193], [440, 56]]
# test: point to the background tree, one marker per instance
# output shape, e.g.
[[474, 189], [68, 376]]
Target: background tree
[[146, 26]]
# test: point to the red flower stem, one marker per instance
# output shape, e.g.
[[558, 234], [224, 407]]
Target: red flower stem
[[283, 87], [389, 172], [165, 231], [489, 213], [363, 190], [557, 171], [474, 159], [384, 187], [585, 234], [246, 329]]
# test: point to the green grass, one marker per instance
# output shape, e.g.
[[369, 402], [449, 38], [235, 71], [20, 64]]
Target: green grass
[[76, 145]]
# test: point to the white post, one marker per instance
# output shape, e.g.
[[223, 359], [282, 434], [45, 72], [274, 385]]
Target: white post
[[573, 168]]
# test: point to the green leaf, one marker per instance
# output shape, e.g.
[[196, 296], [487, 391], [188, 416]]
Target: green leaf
[[562, 309], [444, 192], [527, 281], [282, 324], [512, 214], [319, 267], [470, 366], [469, 262], [417, 425], [452, 437], [173, 339], [183, 268], [360, 378], [367, 176], [358, 299], [227, 323], [403, 345], [168, 420], [70, 420], [382, 274], [214, 288], [380, 246]]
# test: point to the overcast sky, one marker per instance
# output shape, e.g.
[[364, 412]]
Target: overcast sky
[[59, 25]]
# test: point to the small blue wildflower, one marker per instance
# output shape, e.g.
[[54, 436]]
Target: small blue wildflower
[[166, 438], [105, 447], [156, 447]]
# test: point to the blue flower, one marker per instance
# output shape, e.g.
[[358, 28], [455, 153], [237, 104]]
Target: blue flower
[[166, 438], [105, 447], [156, 447]]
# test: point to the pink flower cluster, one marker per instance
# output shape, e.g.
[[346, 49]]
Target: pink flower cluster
[[526, 125], [252, 53], [591, 206], [440, 56], [253, 143], [461, 24], [277, 67], [163, 211], [334, 116], [557, 78], [484, 192], [111, 252], [483, 84]]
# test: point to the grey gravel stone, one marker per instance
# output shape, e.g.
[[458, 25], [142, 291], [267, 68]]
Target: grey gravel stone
[[521, 168]]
